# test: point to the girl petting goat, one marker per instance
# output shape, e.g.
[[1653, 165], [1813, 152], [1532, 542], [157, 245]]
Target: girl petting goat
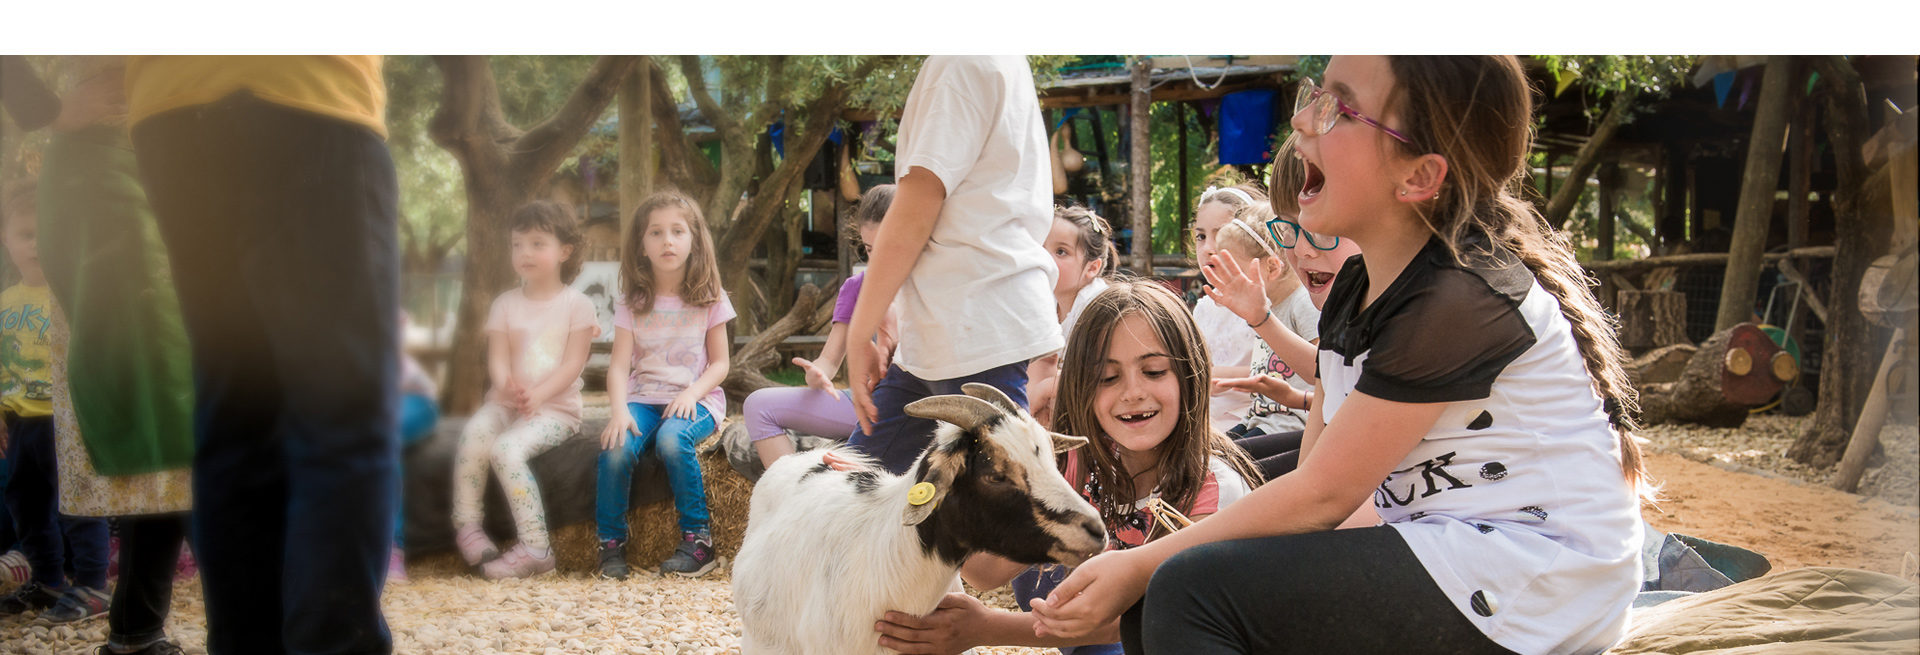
[[827, 552]]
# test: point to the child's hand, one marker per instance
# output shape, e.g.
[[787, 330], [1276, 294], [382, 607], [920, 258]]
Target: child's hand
[[683, 406], [817, 379], [619, 427], [1240, 290], [1095, 593], [1266, 385], [834, 461], [943, 631], [866, 364]]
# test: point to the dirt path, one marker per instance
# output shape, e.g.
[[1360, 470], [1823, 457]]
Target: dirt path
[[1794, 525]]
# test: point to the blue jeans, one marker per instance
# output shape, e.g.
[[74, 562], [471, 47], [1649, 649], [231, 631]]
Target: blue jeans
[[897, 439], [33, 498], [1037, 582], [280, 224], [673, 440], [418, 414]]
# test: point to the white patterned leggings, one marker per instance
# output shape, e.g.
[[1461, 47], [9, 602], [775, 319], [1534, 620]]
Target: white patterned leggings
[[494, 437]]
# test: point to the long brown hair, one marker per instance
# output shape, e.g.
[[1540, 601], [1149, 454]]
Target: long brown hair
[[555, 219], [1477, 112], [701, 284], [1185, 452]]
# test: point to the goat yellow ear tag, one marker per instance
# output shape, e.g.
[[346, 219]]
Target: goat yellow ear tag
[[920, 494]]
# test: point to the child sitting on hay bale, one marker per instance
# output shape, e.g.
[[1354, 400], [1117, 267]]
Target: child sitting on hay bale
[[538, 336]]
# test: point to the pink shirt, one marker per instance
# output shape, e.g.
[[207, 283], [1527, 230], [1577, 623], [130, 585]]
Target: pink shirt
[[670, 350], [536, 332]]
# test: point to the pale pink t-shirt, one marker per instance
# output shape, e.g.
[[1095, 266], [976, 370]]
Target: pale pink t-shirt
[[536, 333], [670, 350]]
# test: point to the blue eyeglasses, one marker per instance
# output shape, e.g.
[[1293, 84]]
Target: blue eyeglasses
[[1287, 234]]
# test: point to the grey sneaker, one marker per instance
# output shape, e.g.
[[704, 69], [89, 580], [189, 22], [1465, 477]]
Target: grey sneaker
[[78, 604], [613, 559], [694, 556]]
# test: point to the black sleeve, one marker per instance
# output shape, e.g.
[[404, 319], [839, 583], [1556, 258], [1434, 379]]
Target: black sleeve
[[1445, 341]]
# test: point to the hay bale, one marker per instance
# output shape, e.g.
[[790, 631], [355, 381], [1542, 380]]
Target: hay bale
[[567, 475]]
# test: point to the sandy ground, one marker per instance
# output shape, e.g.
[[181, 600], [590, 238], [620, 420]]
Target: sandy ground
[[443, 610]]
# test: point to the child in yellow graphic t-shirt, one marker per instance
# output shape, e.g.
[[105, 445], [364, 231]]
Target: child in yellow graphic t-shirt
[[26, 438]]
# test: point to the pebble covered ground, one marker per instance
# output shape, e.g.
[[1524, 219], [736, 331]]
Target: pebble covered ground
[[443, 609]]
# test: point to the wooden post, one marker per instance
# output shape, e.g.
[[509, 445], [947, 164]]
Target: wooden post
[[1609, 187], [1873, 415], [1180, 117], [636, 140], [1100, 146], [1799, 172], [1140, 165], [1672, 228], [1761, 177]]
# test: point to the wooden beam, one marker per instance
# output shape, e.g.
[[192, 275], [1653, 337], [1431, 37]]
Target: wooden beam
[[1164, 94], [1140, 165], [1180, 117], [1630, 266], [636, 141]]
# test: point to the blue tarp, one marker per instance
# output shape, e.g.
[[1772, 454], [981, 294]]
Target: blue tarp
[[1246, 125]]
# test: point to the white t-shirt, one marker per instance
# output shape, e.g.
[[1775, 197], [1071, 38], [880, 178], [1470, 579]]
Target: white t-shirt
[[1231, 343], [1297, 313], [981, 294], [1080, 301], [1514, 503]]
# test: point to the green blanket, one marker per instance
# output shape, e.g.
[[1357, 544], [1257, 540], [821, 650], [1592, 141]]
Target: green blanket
[[128, 360]]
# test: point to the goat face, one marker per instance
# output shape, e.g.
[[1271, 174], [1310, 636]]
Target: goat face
[[996, 485]]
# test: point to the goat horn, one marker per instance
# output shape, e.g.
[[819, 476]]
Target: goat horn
[[991, 394], [964, 411]]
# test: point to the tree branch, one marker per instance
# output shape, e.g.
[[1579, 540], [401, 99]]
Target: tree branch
[[680, 162], [723, 122], [538, 152], [1568, 194], [469, 121]]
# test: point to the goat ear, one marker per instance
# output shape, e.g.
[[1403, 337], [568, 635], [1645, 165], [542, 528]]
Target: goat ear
[[939, 469], [1065, 442], [966, 412], [992, 395]]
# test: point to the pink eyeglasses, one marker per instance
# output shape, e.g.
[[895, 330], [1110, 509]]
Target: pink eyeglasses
[[1327, 109]]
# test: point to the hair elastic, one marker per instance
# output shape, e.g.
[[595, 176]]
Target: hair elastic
[[1242, 224]]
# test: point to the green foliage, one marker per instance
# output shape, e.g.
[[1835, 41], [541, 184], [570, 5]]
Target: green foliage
[[1600, 76]]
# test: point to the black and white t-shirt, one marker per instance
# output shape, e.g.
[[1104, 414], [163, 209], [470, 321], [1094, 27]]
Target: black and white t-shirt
[[1515, 502]]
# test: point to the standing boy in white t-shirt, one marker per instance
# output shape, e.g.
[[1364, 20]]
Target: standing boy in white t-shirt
[[960, 252]]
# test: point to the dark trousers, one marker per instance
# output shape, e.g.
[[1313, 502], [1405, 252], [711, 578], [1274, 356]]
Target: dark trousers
[[897, 439], [1275, 454], [33, 498], [1341, 591], [9, 537], [149, 550], [280, 228]]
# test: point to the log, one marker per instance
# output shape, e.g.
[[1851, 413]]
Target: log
[[1660, 365], [1873, 416], [1734, 370], [744, 370], [1632, 266], [1651, 319]]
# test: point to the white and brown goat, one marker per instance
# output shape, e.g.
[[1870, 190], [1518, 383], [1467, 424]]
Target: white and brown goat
[[828, 552]]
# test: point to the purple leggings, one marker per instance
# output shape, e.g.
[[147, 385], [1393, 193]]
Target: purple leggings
[[802, 409]]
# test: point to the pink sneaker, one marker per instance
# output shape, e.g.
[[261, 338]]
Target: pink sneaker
[[474, 545], [520, 562], [14, 567], [397, 566]]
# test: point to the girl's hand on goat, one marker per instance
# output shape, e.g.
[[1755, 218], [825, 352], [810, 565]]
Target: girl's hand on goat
[[1238, 289], [942, 632], [817, 379], [619, 426], [683, 406], [1097, 592]]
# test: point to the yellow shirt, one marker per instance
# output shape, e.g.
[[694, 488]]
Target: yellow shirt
[[345, 87], [26, 385]]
